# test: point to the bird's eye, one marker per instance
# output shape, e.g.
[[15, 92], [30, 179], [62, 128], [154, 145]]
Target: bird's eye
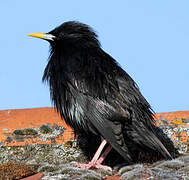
[[62, 34]]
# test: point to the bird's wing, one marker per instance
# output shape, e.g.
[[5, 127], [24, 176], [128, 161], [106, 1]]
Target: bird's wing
[[141, 115], [125, 106], [111, 99], [130, 96], [102, 118]]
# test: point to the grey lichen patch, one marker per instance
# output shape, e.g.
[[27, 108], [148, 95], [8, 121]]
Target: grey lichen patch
[[50, 154], [49, 169], [166, 130], [176, 130], [47, 132], [71, 171], [173, 164], [182, 148], [129, 168], [90, 176], [56, 177], [104, 172]]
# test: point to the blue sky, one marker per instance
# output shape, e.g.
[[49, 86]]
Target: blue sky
[[149, 39]]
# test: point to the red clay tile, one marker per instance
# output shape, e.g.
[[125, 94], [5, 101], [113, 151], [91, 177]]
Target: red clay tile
[[11, 120], [37, 176]]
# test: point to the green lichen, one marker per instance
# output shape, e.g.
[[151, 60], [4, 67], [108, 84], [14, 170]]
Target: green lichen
[[68, 144], [30, 131], [18, 132], [44, 129], [27, 131], [9, 139]]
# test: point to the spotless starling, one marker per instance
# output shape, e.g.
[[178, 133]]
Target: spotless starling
[[94, 95]]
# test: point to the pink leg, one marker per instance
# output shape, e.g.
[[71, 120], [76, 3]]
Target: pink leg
[[98, 152], [95, 162], [106, 152]]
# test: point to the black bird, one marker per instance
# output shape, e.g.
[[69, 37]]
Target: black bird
[[93, 94]]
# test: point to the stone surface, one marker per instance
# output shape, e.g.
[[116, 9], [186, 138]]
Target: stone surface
[[39, 139], [58, 162], [174, 170], [54, 161]]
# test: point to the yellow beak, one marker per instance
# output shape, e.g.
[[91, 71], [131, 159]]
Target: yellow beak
[[43, 36]]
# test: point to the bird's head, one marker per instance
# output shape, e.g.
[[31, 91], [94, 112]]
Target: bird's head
[[71, 34]]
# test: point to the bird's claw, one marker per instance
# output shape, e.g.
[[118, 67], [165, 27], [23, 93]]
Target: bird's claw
[[91, 165]]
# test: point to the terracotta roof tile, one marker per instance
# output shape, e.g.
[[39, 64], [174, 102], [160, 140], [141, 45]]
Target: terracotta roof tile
[[14, 119]]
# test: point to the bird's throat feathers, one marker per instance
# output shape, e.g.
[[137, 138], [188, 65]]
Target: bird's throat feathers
[[89, 70]]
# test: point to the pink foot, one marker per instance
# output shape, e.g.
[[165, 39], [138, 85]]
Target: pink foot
[[91, 165], [96, 162]]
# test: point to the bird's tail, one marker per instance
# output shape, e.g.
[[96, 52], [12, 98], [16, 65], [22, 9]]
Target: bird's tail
[[160, 147], [146, 137]]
